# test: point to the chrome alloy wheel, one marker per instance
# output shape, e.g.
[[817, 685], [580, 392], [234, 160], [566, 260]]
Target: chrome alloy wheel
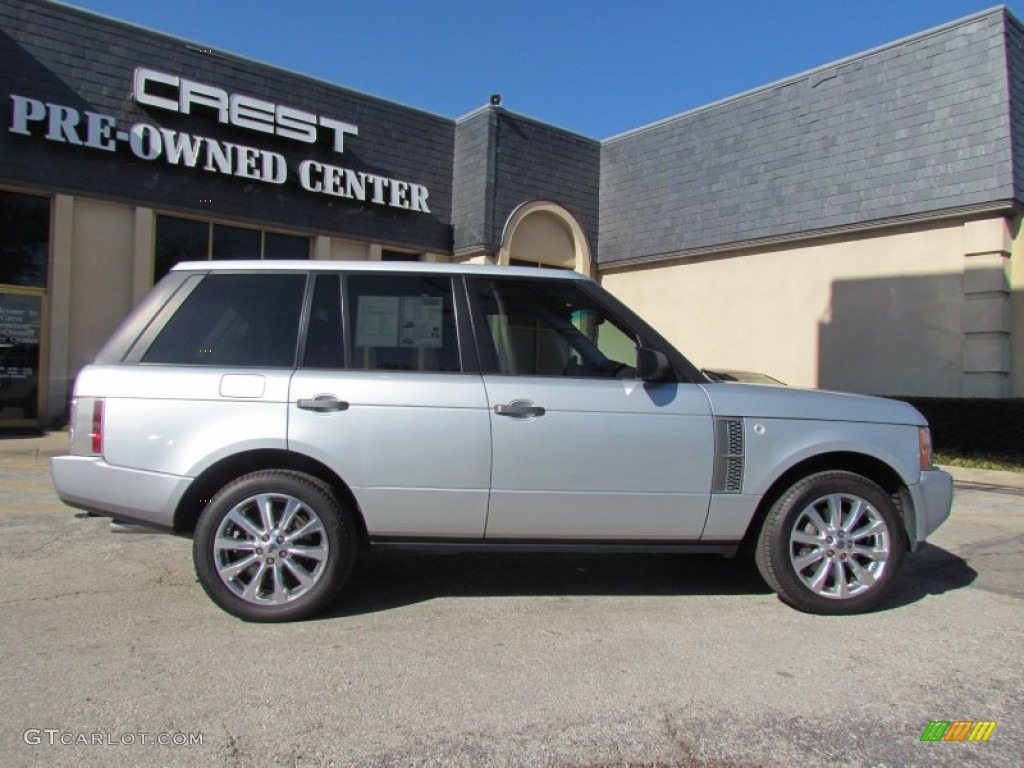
[[271, 549], [840, 546]]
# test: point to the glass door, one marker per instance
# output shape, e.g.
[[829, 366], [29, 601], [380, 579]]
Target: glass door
[[21, 333], [24, 257]]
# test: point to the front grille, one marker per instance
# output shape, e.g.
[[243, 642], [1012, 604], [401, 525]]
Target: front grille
[[729, 446]]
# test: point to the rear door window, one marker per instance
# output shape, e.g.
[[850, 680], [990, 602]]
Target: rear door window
[[402, 323]]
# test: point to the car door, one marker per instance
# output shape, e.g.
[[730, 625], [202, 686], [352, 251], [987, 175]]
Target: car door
[[581, 449], [396, 412]]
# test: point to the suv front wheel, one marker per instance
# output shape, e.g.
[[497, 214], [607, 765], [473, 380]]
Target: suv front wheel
[[274, 545], [832, 544]]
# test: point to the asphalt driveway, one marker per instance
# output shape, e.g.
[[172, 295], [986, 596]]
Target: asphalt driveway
[[110, 647]]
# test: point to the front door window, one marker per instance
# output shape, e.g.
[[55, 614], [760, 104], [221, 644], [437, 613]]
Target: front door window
[[554, 329]]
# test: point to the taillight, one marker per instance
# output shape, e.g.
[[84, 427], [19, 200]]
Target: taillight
[[87, 418], [97, 427]]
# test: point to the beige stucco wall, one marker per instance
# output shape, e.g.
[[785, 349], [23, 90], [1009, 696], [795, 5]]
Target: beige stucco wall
[[96, 275], [102, 260], [1017, 312], [882, 313], [348, 250]]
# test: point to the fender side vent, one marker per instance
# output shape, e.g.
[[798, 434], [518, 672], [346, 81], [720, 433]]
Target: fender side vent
[[728, 477]]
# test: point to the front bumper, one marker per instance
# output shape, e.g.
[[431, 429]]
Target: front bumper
[[931, 499], [135, 495]]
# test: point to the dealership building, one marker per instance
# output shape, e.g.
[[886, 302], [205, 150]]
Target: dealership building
[[855, 227]]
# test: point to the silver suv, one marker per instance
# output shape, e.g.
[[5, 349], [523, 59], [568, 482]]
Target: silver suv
[[283, 414]]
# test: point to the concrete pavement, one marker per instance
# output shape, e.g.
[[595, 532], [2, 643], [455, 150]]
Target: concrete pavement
[[39, 445], [558, 661]]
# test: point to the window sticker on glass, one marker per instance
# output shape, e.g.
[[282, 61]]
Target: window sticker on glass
[[377, 321], [421, 321]]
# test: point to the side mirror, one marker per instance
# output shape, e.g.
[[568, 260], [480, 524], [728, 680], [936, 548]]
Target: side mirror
[[651, 365]]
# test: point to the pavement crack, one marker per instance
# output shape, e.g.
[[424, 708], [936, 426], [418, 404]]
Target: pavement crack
[[688, 756], [62, 595], [674, 734], [989, 552], [234, 746]]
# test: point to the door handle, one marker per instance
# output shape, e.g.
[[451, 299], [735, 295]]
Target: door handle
[[517, 409], [322, 404]]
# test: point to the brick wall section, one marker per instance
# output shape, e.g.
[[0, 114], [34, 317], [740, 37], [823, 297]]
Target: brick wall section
[[915, 127], [57, 54], [473, 172], [534, 161], [503, 160]]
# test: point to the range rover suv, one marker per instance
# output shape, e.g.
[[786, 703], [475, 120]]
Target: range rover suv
[[282, 415]]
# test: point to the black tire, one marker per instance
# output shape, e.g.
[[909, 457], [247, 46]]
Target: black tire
[[249, 577], [832, 544]]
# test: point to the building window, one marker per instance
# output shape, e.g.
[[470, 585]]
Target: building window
[[235, 243], [279, 246], [179, 240], [194, 240], [25, 245], [539, 264], [398, 256]]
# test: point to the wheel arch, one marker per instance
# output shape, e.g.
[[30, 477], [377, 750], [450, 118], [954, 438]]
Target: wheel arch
[[219, 474], [870, 467]]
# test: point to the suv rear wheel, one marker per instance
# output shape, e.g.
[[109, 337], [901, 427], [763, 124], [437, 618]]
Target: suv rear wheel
[[832, 544], [274, 545]]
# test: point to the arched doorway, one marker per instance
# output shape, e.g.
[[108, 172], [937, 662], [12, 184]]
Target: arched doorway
[[544, 234]]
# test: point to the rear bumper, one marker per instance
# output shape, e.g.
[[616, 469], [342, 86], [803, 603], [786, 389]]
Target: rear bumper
[[932, 499], [89, 483]]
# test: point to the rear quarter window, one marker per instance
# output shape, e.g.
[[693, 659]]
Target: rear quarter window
[[247, 320]]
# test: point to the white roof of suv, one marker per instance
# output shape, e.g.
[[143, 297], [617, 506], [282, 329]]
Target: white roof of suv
[[375, 266]]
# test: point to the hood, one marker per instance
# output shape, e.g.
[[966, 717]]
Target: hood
[[758, 401]]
